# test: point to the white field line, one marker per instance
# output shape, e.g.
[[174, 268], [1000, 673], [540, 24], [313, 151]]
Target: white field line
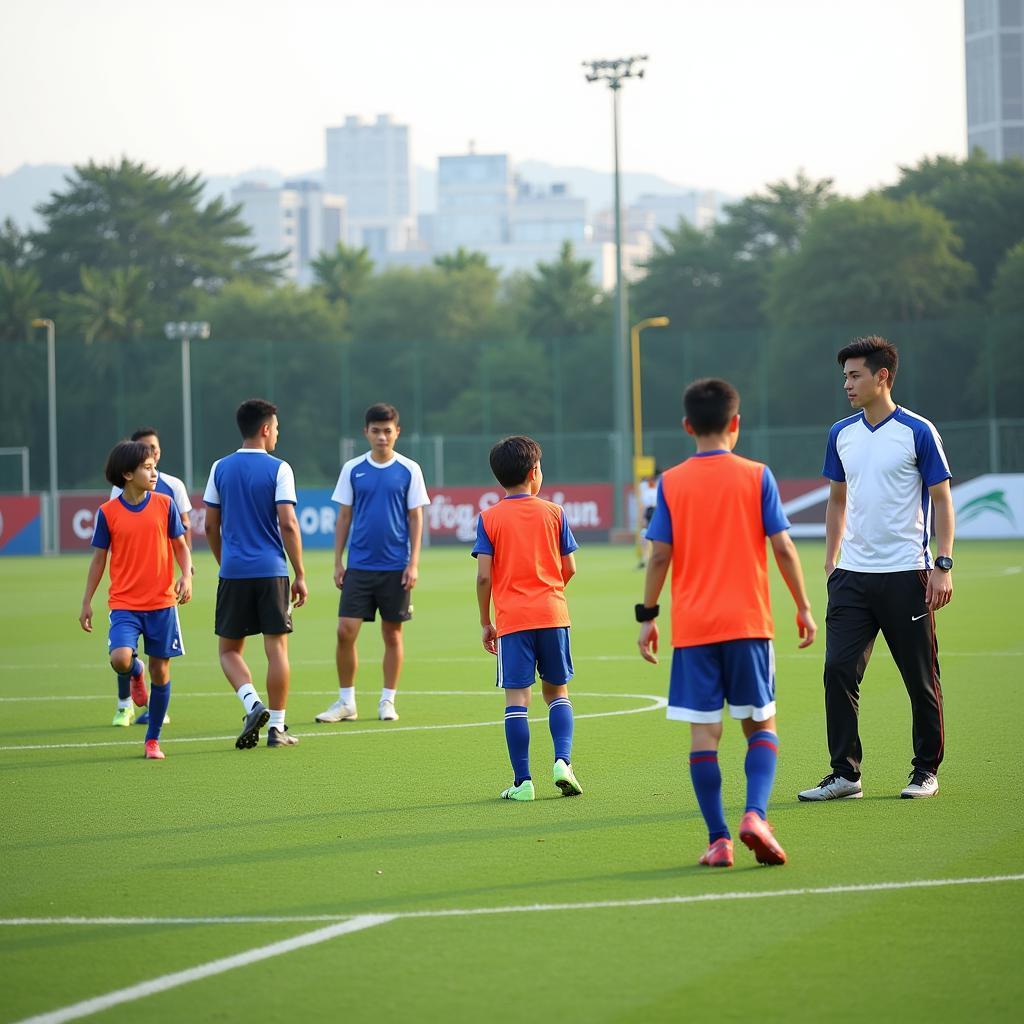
[[169, 981], [326, 732], [322, 662], [88, 1007]]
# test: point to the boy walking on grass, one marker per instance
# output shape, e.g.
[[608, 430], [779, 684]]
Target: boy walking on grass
[[524, 560], [710, 522], [143, 531]]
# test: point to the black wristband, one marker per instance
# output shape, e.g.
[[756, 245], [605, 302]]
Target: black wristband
[[645, 614]]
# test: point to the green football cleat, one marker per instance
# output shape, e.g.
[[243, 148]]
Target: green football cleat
[[123, 716], [565, 780], [524, 791]]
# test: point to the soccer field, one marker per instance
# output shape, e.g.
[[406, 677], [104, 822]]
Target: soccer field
[[371, 873]]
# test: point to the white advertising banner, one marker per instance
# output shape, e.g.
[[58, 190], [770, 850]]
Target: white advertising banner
[[990, 507]]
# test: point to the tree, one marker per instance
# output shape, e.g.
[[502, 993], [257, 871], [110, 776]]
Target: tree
[[461, 259], [868, 260], [719, 277], [341, 273], [21, 301], [115, 216], [111, 306], [982, 198], [561, 300], [1007, 296]]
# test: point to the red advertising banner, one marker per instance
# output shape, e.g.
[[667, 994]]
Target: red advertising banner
[[21, 525], [78, 518], [452, 513]]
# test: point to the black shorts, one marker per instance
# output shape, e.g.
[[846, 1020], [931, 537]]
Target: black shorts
[[248, 607], [363, 591], [648, 514]]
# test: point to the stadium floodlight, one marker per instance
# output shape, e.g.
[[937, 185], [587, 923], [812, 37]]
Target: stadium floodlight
[[638, 420], [51, 395], [186, 331], [614, 72]]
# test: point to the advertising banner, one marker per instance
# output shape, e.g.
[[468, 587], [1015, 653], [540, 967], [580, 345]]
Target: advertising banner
[[452, 513], [990, 507], [21, 525]]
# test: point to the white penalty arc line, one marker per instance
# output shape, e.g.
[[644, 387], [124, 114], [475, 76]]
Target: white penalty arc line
[[354, 924], [657, 703]]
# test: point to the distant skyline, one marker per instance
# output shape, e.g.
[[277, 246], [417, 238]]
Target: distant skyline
[[737, 93]]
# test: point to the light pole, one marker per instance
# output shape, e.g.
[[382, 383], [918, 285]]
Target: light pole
[[186, 331], [613, 72], [51, 397], [638, 417]]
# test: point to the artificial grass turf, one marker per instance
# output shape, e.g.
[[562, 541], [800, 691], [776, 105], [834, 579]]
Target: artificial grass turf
[[372, 817]]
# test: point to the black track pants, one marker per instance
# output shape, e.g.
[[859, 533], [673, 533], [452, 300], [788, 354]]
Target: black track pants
[[859, 605]]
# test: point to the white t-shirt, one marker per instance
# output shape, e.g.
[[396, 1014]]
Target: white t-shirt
[[887, 469]]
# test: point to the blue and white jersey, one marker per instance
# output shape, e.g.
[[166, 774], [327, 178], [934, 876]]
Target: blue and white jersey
[[381, 495], [169, 485], [887, 469], [247, 486]]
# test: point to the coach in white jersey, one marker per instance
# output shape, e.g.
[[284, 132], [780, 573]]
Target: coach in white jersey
[[887, 470], [176, 491], [250, 523], [381, 496]]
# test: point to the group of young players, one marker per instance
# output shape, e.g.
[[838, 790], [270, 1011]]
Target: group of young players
[[712, 515]]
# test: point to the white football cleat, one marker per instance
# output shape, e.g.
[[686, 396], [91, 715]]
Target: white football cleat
[[921, 784], [833, 787], [386, 711], [339, 711]]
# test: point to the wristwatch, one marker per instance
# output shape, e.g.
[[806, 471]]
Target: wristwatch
[[944, 562]]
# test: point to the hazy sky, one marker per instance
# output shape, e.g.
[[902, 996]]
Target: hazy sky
[[737, 92]]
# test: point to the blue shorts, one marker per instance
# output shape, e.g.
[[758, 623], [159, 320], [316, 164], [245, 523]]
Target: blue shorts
[[740, 673], [160, 629], [521, 656]]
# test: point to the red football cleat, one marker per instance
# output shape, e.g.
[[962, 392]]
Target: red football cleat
[[140, 695], [153, 751], [718, 854], [756, 835]]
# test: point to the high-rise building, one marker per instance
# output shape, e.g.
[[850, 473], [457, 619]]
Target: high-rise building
[[474, 200], [299, 219], [994, 44], [371, 166]]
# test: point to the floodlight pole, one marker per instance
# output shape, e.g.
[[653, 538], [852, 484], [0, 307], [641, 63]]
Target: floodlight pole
[[186, 332], [51, 393], [613, 72]]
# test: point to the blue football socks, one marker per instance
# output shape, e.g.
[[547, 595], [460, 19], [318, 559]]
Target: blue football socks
[[124, 686], [517, 736], [762, 755], [159, 700], [560, 722], [707, 784]]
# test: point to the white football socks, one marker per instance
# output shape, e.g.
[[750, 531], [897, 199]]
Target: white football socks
[[248, 696], [347, 694]]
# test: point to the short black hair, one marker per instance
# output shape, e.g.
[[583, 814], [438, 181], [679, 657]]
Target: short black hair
[[876, 353], [124, 458], [710, 404], [513, 458], [381, 412], [145, 432], [252, 414]]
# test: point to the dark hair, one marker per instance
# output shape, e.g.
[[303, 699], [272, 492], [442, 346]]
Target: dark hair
[[252, 414], [381, 412], [710, 404], [145, 432], [876, 352], [513, 458], [124, 458]]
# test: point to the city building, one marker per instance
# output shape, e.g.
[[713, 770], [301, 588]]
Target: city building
[[994, 49], [371, 166], [299, 219], [547, 214], [474, 201]]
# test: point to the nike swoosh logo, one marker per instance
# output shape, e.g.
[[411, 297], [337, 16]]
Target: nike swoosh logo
[[360, 474], [914, 618]]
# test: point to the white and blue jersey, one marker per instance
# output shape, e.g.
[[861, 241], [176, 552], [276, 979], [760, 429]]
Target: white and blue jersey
[[169, 485], [381, 495], [247, 486], [887, 469]]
